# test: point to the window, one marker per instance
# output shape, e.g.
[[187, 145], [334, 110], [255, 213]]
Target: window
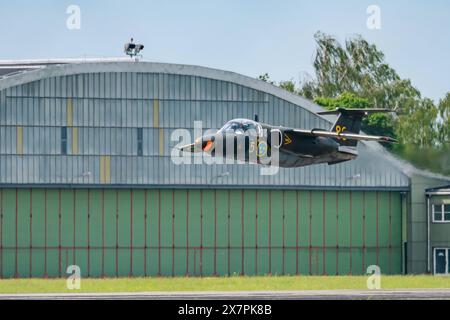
[[441, 212], [441, 261], [63, 140], [140, 141]]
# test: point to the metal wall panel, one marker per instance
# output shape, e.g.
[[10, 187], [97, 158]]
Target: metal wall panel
[[177, 232], [107, 108]]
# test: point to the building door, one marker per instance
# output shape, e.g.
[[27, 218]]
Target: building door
[[441, 260]]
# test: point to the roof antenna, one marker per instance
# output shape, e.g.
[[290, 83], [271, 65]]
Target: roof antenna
[[256, 118], [133, 49]]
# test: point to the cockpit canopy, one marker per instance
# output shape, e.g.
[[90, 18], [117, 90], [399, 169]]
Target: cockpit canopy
[[242, 126]]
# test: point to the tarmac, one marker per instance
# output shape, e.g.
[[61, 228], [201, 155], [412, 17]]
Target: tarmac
[[401, 294]]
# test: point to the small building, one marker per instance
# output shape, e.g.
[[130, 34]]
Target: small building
[[438, 225]]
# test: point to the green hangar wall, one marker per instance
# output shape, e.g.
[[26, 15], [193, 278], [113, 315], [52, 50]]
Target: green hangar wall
[[176, 232], [86, 178]]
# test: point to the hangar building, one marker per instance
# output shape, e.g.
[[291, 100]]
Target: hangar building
[[86, 179]]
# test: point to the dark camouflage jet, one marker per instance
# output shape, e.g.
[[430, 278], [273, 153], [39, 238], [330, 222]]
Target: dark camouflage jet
[[254, 142]]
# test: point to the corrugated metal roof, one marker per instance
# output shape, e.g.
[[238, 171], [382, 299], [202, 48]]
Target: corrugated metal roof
[[14, 67]]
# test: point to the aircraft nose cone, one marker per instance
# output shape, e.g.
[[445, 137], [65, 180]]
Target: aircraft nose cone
[[205, 143]]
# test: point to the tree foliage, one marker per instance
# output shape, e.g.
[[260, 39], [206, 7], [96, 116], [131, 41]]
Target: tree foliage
[[377, 124], [288, 85], [444, 124], [355, 75], [359, 68]]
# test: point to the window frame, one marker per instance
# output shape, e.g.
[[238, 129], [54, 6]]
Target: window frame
[[64, 141], [140, 142], [443, 220]]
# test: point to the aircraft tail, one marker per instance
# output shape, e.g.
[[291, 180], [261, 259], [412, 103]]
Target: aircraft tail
[[349, 121]]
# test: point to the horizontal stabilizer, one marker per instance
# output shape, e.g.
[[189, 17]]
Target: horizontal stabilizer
[[359, 112]]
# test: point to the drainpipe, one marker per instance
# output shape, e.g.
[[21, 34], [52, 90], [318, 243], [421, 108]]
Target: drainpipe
[[428, 234], [404, 208]]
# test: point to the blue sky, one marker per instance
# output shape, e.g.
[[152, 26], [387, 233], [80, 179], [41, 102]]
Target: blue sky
[[248, 36]]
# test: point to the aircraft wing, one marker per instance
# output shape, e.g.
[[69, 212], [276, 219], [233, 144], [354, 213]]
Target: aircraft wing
[[301, 155], [362, 112], [349, 136]]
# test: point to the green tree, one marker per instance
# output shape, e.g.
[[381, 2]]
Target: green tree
[[356, 75], [444, 123], [377, 124], [359, 68], [288, 85], [417, 124]]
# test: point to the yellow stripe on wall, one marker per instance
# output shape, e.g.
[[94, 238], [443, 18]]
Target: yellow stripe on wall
[[155, 113], [161, 142], [74, 140], [69, 112], [19, 140], [105, 169]]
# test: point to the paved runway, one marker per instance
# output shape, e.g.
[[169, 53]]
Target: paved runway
[[427, 294]]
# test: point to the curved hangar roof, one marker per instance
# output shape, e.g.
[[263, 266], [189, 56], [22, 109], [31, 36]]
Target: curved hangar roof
[[103, 103]]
